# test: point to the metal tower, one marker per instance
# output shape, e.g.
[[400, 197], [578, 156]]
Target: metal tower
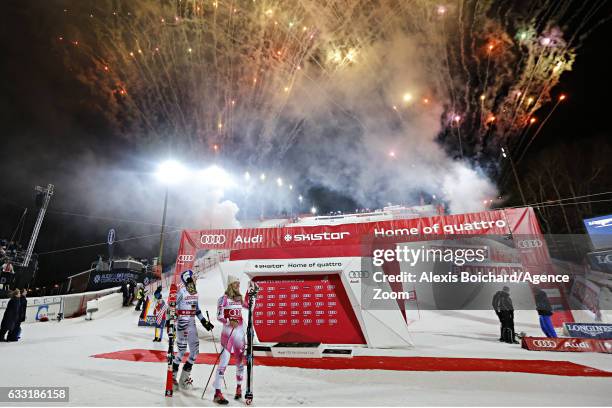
[[48, 192]]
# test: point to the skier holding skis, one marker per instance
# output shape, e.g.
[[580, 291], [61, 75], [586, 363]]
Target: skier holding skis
[[187, 308], [229, 312]]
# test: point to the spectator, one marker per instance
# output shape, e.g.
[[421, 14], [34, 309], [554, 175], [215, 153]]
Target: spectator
[[125, 292], [140, 296], [15, 334], [131, 289], [160, 315], [8, 273], [99, 264], [545, 311], [11, 315], [502, 304], [157, 292], [7, 267]]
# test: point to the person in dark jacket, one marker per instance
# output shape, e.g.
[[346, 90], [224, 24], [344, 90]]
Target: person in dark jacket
[[545, 311], [15, 334], [131, 291], [125, 292], [11, 315], [502, 304]]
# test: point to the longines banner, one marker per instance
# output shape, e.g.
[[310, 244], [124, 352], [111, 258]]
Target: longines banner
[[589, 330], [567, 344], [601, 261]]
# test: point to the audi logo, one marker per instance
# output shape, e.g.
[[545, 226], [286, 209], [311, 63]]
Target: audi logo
[[530, 243], [185, 258], [545, 343], [359, 274], [212, 239]]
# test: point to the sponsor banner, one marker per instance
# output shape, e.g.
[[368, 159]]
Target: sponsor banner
[[149, 321], [589, 330], [567, 344], [600, 231], [489, 222], [349, 239], [601, 260], [301, 265], [104, 280]]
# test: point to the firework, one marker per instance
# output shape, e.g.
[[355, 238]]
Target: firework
[[199, 74]]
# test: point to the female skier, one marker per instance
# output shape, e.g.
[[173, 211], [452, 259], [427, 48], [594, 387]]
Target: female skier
[[187, 309], [229, 312]]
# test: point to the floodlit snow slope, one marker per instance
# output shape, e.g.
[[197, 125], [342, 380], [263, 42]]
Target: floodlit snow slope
[[59, 354]]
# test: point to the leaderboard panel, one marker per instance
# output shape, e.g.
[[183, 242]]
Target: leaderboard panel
[[305, 309]]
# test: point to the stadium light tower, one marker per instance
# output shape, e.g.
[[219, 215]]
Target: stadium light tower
[[168, 173]]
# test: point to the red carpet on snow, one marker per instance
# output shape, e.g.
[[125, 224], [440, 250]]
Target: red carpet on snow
[[548, 367]]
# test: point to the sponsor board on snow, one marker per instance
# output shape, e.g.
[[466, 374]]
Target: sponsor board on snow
[[567, 344], [589, 330]]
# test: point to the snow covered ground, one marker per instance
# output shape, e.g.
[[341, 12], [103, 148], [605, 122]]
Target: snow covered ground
[[59, 354]]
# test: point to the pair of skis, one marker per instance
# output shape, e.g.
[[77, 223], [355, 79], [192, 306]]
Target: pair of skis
[[248, 396], [171, 337]]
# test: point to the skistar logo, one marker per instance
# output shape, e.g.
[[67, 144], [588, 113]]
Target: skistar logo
[[321, 236]]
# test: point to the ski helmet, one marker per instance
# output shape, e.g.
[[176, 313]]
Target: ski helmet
[[187, 276]]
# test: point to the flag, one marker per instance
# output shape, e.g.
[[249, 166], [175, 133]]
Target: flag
[[160, 312]]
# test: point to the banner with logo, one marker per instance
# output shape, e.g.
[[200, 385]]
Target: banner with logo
[[601, 260], [567, 344], [600, 231], [588, 330], [105, 280]]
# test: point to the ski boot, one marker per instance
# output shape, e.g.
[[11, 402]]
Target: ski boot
[[238, 394], [186, 381], [219, 398]]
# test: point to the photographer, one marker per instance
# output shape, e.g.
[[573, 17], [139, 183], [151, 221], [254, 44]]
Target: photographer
[[502, 304]]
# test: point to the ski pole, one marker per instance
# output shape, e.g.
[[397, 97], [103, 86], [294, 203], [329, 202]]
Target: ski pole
[[216, 361], [215, 344]]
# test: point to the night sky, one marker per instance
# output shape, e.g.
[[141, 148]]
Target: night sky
[[49, 132]]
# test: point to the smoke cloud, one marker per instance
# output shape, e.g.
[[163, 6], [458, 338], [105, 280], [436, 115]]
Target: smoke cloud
[[371, 132]]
